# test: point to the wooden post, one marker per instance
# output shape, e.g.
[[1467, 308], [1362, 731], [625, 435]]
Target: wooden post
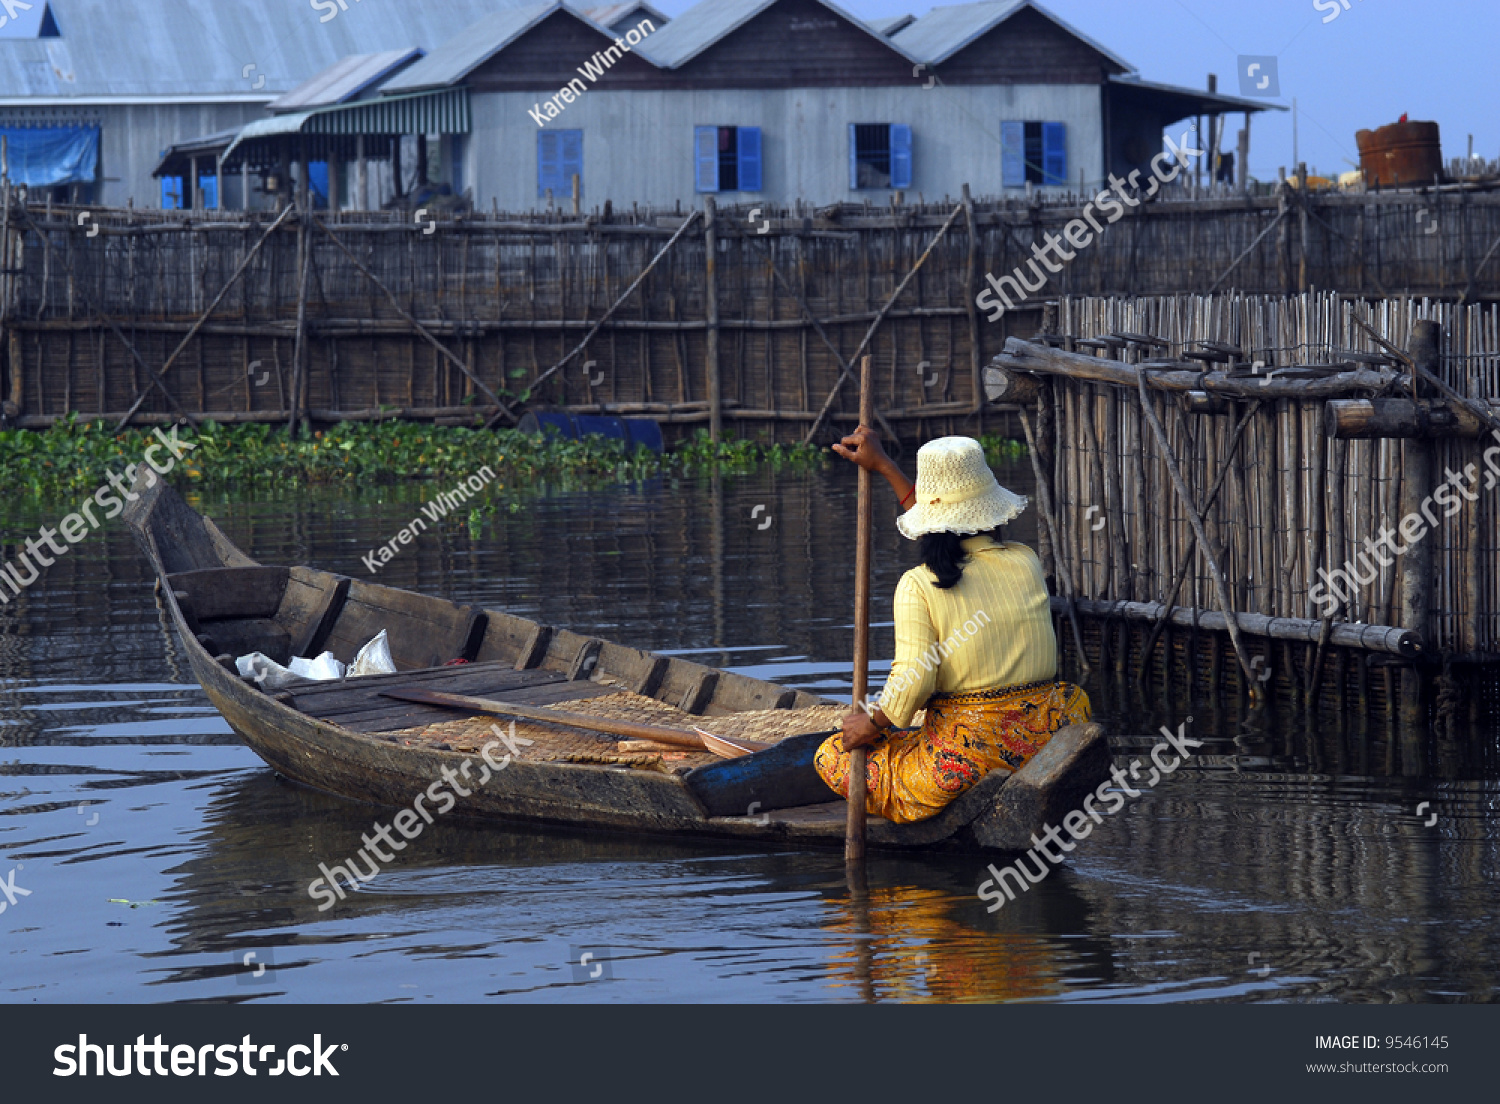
[[576, 195], [1417, 562], [422, 168], [711, 311], [304, 180], [854, 825], [971, 273], [1198, 162], [1302, 201], [191, 200], [244, 185], [360, 201], [1284, 239], [6, 280], [333, 184], [299, 345], [1213, 137], [396, 189], [1242, 170], [17, 366]]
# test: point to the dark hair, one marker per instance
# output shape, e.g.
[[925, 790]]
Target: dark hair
[[944, 555]]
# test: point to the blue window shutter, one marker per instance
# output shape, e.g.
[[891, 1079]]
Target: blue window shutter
[[171, 193], [900, 156], [572, 160], [317, 177], [548, 163], [853, 160], [706, 158], [1013, 154], [1054, 153], [749, 150]]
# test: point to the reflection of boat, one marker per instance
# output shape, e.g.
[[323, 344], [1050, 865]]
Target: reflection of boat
[[348, 739]]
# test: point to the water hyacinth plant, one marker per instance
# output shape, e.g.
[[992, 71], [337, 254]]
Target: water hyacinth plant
[[74, 456]]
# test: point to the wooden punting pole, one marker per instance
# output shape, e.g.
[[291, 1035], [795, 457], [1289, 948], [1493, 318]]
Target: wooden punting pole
[[854, 828]]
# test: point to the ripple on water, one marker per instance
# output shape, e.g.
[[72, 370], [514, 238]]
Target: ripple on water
[[1286, 863]]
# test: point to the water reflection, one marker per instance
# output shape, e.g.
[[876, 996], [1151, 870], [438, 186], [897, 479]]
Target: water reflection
[[1288, 861]]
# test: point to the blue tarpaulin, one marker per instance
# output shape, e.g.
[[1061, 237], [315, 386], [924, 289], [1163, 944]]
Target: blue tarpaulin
[[41, 157]]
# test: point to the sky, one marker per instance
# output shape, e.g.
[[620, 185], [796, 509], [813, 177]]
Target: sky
[[1362, 69]]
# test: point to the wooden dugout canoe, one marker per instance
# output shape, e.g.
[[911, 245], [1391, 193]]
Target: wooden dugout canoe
[[346, 739]]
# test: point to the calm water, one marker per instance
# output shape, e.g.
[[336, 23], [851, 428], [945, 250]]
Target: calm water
[[1288, 864]]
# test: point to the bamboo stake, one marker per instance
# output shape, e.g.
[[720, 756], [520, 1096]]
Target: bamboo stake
[[421, 330], [156, 377], [299, 344], [692, 218], [844, 365], [1049, 518], [880, 317], [1196, 521], [1236, 263], [1187, 557]]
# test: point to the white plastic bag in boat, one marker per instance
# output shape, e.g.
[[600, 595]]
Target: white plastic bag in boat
[[323, 669], [374, 658], [267, 673]]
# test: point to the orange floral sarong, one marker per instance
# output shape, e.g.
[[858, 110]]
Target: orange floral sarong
[[914, 773]]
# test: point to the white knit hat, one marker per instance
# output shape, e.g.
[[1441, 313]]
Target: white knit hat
[[957, 492]]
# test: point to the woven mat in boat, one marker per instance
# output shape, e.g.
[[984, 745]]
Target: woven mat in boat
[[571, 745]]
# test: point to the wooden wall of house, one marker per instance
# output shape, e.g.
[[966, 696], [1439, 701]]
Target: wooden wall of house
[[797, 44], [1028, 48], [548, 56]]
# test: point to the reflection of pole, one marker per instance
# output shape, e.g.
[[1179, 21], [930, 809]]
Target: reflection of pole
[[864, 943], [716, 554], [1417, 465]]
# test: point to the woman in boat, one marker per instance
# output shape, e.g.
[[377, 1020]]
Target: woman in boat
[[974, 642]]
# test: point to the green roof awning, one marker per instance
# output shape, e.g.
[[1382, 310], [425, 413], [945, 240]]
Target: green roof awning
[[444, 111]]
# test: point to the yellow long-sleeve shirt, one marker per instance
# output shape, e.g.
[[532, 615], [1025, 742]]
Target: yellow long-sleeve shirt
[[993, 629]]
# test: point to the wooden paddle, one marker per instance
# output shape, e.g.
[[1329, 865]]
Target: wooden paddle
[[674, 737], [854, 826]]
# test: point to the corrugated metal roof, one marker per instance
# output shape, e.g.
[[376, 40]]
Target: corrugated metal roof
[[196, 50], [943, 32], [455, 59], [208, 144], [344, 80], [612, 14], [892, 24], [705, 23], [1197, 96], [444, 111]]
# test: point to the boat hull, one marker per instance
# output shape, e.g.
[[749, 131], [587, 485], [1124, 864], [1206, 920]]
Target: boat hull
[[379, 768]]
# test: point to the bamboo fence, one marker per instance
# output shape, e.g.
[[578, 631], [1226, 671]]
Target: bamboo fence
[[1296, 502], [372, 315]]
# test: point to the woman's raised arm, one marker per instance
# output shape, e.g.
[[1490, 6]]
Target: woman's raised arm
[[863, 448]]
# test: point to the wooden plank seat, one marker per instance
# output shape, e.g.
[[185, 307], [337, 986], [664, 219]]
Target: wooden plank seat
[[232, 610]]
